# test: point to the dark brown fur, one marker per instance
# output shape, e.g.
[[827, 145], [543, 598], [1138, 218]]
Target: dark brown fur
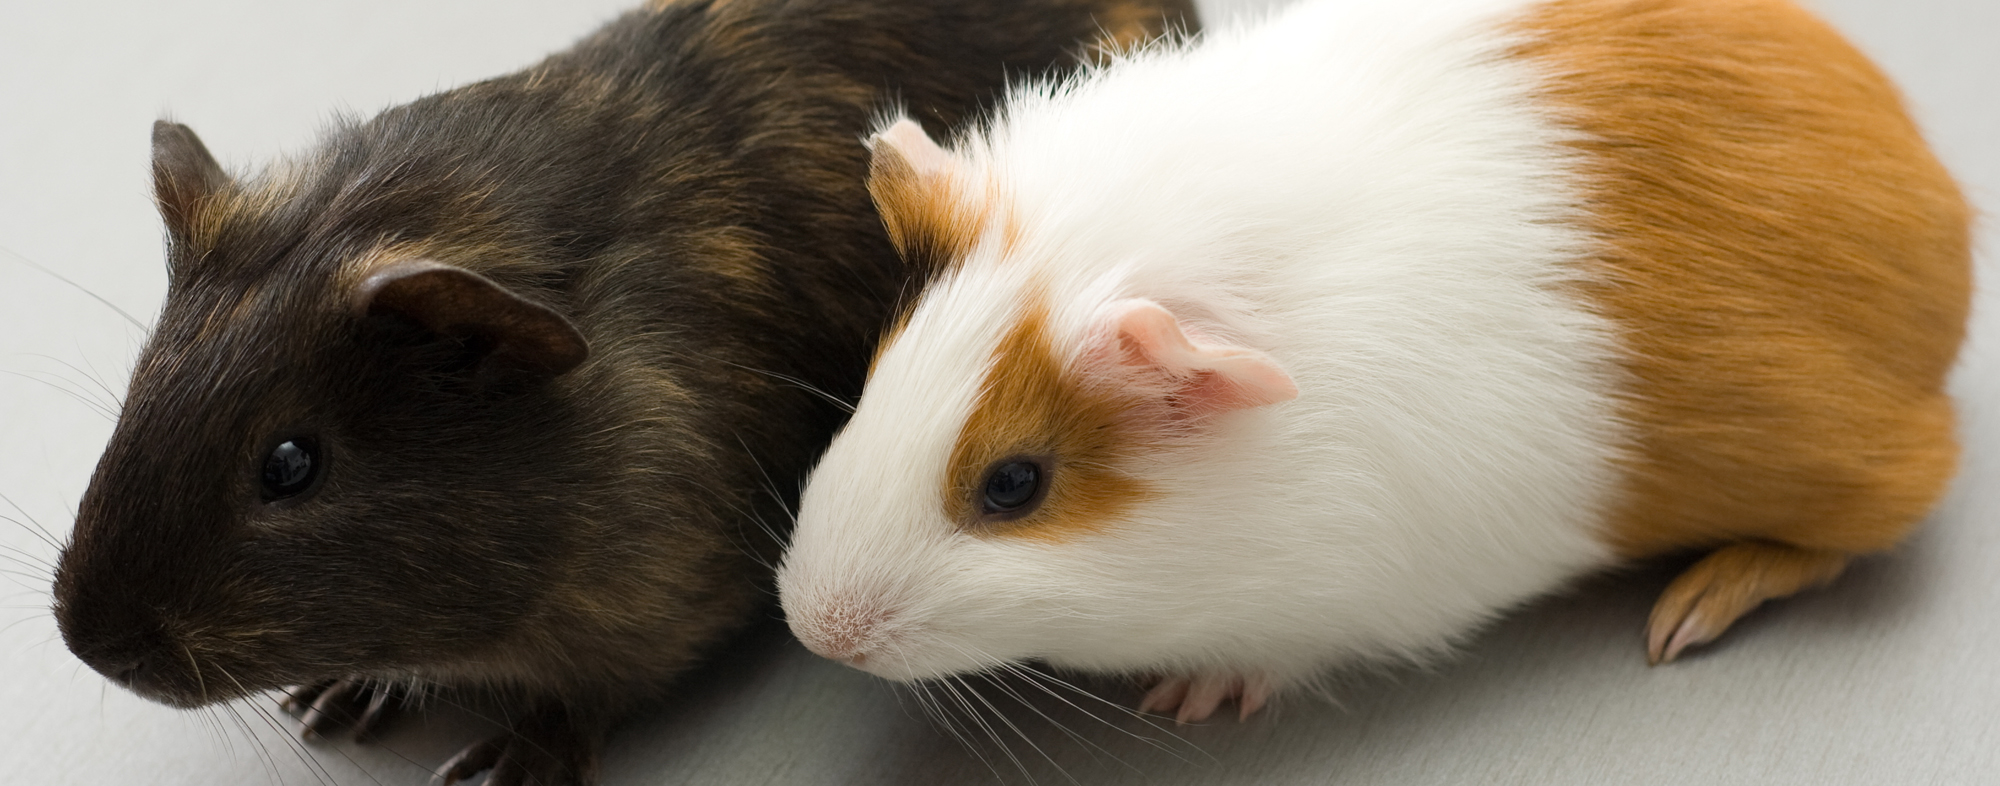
[[685, 187]]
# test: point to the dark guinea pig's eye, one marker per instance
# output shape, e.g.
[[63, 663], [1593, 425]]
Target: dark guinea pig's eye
[[291, 468], [1013, 488]]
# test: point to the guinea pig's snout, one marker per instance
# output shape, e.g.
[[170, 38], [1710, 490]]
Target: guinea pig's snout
[[139, 663], [846, 629], [135, 650]]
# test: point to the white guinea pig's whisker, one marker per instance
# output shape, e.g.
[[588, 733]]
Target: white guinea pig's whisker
[[934, 709], [999, 680], [843, 404], [1039, 679], [937, 710], [958, 688], [1002, 716]]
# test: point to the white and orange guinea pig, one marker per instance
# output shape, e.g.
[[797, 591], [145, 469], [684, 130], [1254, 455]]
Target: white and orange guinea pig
[[1329, 339]]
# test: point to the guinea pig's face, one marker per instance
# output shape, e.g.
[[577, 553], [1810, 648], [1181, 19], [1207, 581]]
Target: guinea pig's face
[[991, 499], [308, 478], [997, 494], [940, 532]]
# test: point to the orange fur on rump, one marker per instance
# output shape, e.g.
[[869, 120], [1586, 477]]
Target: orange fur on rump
[[1787, 266], [1030, 405]]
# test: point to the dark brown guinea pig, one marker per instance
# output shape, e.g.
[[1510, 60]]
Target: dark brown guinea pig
[[508, 389]]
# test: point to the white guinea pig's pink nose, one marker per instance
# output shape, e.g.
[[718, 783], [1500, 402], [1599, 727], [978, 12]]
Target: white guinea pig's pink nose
[[843, 630]]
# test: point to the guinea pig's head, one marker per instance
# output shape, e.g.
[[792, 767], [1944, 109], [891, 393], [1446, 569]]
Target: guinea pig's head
[[987, 501], [329, 457]]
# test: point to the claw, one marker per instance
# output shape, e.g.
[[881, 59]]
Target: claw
[[1203, 697], [301, 697], [1256, 694], [355, 703], [332, 709], [371, 717], [1165, 696], [545, 749], [1704, 601], [476, 758], [1192, 699]]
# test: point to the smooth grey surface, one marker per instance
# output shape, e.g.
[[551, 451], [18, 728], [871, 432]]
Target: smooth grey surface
[[1890, 677]]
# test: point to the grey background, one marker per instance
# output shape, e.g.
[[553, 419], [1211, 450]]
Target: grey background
[[1889, 677]]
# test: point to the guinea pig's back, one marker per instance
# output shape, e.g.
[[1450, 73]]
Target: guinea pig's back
[[1783, 260]]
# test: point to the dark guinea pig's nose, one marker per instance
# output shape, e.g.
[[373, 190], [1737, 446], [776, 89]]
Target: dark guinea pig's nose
[[142, 664], [127, 659], [126, 647], [129, 674]]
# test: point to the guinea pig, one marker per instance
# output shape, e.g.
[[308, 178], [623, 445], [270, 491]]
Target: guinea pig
[[508, 390], [1325, 341]]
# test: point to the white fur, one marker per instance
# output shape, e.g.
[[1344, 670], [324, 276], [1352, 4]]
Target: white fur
[[1364, 191]]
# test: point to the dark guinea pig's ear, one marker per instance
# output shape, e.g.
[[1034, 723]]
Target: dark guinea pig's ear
[[184, 175], [918, 188], [455, 302]]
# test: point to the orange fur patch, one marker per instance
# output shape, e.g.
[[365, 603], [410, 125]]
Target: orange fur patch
[[935, 217], [1786, 262], [1129, 25], [1032, 406], [928, 213]]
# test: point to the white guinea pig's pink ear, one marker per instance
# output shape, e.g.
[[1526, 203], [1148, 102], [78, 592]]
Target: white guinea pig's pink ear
[[1200, 375]]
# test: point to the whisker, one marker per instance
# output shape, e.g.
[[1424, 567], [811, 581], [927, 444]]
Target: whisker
[[958, 689], [46, 536], [110, 401], [97, 376], [25, 557], [801, 384], [196, 666], [263, 750], [296, 746], [934, 707], [1034, 675], [1017, 730], [996, 680], [10, 253], [95, 406]]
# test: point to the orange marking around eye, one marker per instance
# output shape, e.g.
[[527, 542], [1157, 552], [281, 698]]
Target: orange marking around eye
[[1786, 264], [1032, 405]]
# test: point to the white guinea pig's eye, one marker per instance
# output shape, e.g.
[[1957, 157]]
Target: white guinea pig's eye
[[1014, 488]]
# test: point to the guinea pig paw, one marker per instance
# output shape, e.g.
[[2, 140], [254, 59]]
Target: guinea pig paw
[[542, 751], [1193, 698], [1710, 596], [356, 703]]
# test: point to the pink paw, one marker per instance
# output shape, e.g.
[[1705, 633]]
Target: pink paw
[[1193, 698]]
